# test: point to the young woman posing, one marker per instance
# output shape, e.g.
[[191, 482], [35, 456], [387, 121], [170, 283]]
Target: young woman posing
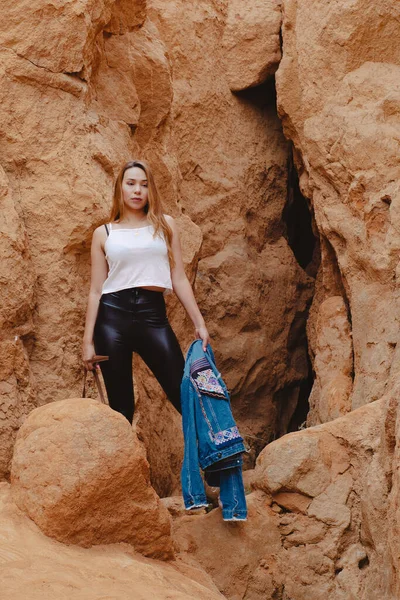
[[135, 258]]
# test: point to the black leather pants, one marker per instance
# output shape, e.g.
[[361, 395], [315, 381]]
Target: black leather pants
[[135, 320]]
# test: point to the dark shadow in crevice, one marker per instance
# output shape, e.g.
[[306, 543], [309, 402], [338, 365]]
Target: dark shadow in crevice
[[298, 220], [299, 417], [363, 563], [262, 96], [292, 400], [76, 75]]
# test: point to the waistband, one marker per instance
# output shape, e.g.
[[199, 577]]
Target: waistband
[[130, 296], [235, 460]]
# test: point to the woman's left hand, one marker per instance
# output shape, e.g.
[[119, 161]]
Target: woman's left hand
[[202, 334]]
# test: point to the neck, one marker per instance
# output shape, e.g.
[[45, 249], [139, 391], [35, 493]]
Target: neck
[[134, 219]]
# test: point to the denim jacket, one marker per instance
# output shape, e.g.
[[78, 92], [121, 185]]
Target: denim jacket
[[209, 429]]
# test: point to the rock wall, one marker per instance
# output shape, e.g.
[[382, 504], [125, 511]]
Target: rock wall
[[338, 97], [16, 322], [233, 163], [85, 86]]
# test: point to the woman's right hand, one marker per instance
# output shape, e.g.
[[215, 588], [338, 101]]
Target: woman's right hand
[[88, 352]]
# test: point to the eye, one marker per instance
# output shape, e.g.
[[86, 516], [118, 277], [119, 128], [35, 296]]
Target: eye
[[144, 184]]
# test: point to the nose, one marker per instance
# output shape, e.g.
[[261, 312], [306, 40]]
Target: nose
[[137, 187]]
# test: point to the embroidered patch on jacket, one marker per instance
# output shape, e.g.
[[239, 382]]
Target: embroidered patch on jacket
[[206, 380], [221, 437]]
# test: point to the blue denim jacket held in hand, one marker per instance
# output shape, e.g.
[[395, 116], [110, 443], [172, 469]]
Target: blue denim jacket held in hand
[[209, 429]]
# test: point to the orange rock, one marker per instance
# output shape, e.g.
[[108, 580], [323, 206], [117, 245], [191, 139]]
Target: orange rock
[[333, 363], [249, 543], [303, 462], [337, 88], [17, 277], [86, 86], [81, 474], [60, 37], [36, 566], [292, 502], [232, 183], [251, 42], [334, 543]]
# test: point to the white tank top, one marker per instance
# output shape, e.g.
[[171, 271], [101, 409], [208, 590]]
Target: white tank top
[[136, 258]]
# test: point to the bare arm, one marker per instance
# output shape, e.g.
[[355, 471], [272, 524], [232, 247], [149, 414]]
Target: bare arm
[[183, 289], [98, 276]]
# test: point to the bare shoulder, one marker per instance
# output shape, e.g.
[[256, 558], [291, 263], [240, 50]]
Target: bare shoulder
[[100, 235], [99, 231], [171, 222]]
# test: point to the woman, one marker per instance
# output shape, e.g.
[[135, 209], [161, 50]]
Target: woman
[[135, 258]]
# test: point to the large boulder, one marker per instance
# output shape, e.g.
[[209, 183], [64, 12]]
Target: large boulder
[[81, 474], [328, 486]]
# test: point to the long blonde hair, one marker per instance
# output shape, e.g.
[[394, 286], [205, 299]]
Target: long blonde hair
[[153, 208]]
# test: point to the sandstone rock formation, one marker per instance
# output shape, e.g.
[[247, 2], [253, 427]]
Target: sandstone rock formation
[[322, 516], [81, 474], [317, 523], [233, 168], [16, 322], [333, 362], [251, 41], [86, 86], [338, 96]]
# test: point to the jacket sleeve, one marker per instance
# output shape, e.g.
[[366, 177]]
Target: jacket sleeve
[[192, 483]]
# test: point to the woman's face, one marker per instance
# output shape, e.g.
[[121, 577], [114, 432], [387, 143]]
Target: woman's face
[[134, 189]]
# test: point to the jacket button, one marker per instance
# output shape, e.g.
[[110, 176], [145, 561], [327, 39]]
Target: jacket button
[[190, 501], [219, 454]]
